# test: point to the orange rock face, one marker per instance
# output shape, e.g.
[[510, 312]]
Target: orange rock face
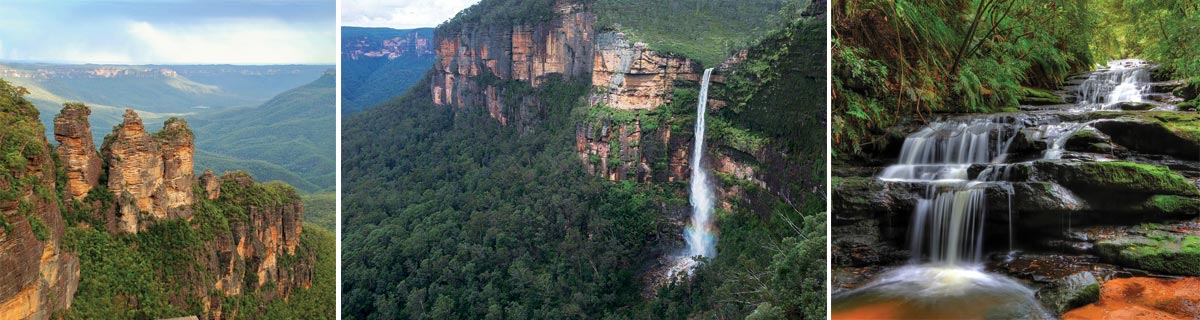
[[176, 143], [38, 277], [1143, 298], [77, 149], [211, 184], [633, 77], [135, 170], [150, 177], [257, 245], [527, 52]]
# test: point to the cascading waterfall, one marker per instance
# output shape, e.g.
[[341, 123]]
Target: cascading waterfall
[[945, 277], [700, 238], [1122, 81], [947, 231], [947, 225], [701, 241]]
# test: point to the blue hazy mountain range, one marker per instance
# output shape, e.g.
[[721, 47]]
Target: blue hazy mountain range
[[381, 63], [276, 121]]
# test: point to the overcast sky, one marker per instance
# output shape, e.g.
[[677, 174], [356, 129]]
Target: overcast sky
[[400, 14], [169, 31]]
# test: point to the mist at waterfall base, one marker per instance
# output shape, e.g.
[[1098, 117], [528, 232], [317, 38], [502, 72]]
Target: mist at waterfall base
[[699, 235], [945, 276]]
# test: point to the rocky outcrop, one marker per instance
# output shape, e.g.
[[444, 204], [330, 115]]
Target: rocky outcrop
[[630, 76], [135, 169], [613, 150], [77, 150], [211, 184], [37, 275], [262, 247], [470, 59], [177, 146], [150, 177]]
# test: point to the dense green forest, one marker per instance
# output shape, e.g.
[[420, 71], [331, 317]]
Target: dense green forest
[[895, 61], [708, 31], [1165, 32], [449, 214], [122, 275]]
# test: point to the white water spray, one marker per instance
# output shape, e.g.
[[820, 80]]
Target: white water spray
[[699, 236]]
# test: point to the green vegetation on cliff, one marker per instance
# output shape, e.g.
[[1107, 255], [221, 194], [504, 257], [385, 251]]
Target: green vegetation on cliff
[[771, 254], [163, 271], [448, 213], [705, 30], [906, 60]]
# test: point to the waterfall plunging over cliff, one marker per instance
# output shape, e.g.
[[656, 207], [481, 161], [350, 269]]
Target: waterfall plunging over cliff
[[700, 239]]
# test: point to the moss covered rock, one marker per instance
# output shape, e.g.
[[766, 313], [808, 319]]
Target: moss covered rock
[[1038, 97], [1117, 177], [1157, 251]]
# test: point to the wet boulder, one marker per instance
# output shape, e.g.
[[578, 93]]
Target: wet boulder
[[1188, 91], [857, 198], [1116, 177], [1156, 250], [1088, 139], [1134, 106], [1038, 97], [1166, 133], [1070, 292]]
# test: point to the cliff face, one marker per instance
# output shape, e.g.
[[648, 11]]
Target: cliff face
[[474, 62], [391, 48], [471, 58], [250, 232], [260, 249], [630, 76], [37, 276], [176, 143], [77, 150], [150, 177]]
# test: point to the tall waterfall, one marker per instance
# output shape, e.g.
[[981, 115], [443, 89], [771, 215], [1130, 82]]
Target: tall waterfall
[[699, 236]]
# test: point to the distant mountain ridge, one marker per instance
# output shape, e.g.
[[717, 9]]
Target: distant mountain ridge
[[381, 63], [290, 138]]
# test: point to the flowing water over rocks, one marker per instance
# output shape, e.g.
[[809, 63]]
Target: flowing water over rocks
[[1104, 185]]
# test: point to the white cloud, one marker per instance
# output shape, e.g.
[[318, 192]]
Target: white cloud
[[401, 14], [235, 41]]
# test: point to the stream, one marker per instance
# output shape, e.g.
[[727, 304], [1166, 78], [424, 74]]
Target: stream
[[967, 178]]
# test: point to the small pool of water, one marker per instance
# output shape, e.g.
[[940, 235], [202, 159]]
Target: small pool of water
[[938, 291]]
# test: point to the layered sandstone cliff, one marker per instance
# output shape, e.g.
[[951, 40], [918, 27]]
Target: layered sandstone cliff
[[255, 242], [37, 275], [262, 247], [177, 146], [150, 177], [76, 149], [472, 58], [630, 76]]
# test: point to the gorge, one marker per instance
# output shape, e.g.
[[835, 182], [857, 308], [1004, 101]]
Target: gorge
[[563, 136]]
